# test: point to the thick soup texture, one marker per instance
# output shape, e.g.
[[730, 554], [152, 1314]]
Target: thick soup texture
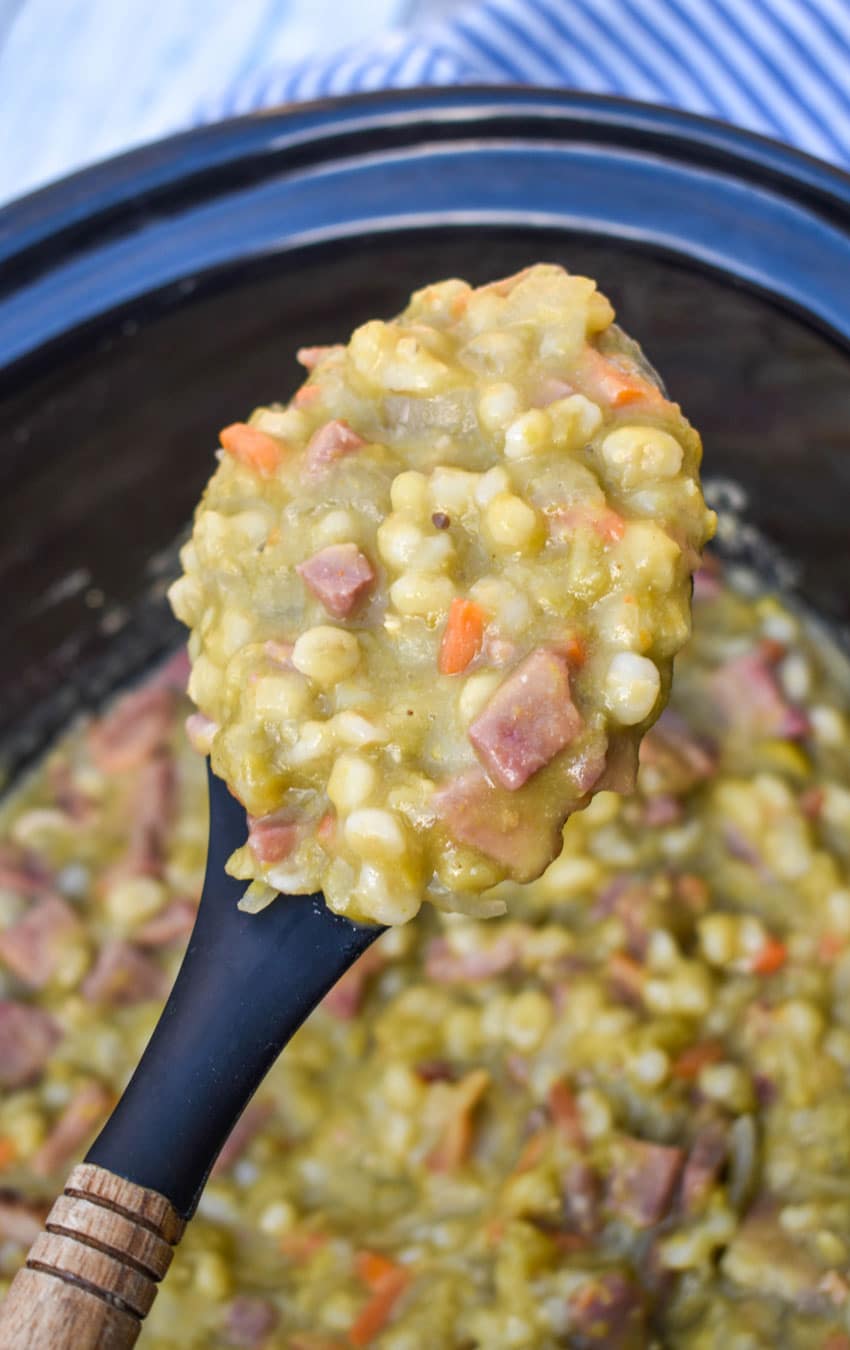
[[434, 601], [618, 1117]]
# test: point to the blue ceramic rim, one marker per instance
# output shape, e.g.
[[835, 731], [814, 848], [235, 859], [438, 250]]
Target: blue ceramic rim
[[737, 204]]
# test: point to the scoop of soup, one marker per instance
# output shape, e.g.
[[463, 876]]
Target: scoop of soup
[[434, 602]]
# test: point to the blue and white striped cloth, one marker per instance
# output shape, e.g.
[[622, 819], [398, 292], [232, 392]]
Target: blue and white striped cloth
[[85, 78]]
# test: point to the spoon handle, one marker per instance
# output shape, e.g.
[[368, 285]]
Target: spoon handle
[[91, 1275]]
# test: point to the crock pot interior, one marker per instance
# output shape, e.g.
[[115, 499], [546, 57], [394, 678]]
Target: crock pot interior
[[108, 436]]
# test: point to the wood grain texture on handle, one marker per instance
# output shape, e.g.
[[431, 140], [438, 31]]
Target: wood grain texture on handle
[[91, 1276]]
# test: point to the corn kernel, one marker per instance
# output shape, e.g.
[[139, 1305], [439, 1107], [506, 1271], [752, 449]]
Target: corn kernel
[[409, 493], [422, 595], [530, 434], [511, 524], [281, 697], [636, 455], [631, 689], [398, 541], [498, 406], [373, 833], [351, 783], [325, 654]]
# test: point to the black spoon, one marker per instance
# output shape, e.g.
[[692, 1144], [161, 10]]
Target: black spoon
[[246, 984]]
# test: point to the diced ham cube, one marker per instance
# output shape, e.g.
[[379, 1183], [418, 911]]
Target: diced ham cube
[[662, 810], [200, 731], [643, 1180], [672, 759], [249, 1124], [175, 672], [23, 872], [607, 1313], [131, 731], [549, 389], [340, 576], [21, 1220], [747, 695], [631, 900], [153, 808], [76, 1125], [449, 967], [477, 814], [27, 1037], [32, 946], [527, 721], [309, 357], [250, 1320], [272, 838], [173, 924], [582, 1199], [330, 442], [705, 1163], [123, 975], [346, 998]]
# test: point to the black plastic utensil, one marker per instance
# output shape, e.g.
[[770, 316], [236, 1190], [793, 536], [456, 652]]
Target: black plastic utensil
[[246, 984]]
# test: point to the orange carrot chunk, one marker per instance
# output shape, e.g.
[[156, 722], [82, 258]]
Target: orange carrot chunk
[[462, 637], [690, 1063], [387, 1280], [251, 447], [614, 383], [769, 958]]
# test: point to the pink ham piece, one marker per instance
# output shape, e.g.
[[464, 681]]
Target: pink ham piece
[[747, 695], [76, 1125], [123, 975], [672, 759], [32, 947], [249, 1321], [131, 731], [549, 389], [309, 357], [23, 872], [528, 721], [706, 1160], [200, 732], [330, 442], [272, 838], [449, 967], [173, 924], [607, 1313], [340, 576], [27, 1037], [154, 805], [476, 813], [247, 1127], [643, 1180]]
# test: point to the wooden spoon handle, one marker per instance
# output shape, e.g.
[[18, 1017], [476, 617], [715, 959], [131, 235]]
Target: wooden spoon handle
[[91, 1276]]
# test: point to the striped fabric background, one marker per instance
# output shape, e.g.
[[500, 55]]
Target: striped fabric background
[[80, 79]]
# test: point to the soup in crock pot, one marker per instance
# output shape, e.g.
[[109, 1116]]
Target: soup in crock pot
[[616, 1117]]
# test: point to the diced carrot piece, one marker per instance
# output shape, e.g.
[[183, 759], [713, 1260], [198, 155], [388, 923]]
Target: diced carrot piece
[[8, 1152], [251, 447], [690, 1063], [533, 1150], [564, 1111], [455, 1141], [326, 828], [770, 958], [610, 526], [301, 1244], [373, 1268], [377, 1311], [462, 638], [627, 973], [614, 383], [574, 649]]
